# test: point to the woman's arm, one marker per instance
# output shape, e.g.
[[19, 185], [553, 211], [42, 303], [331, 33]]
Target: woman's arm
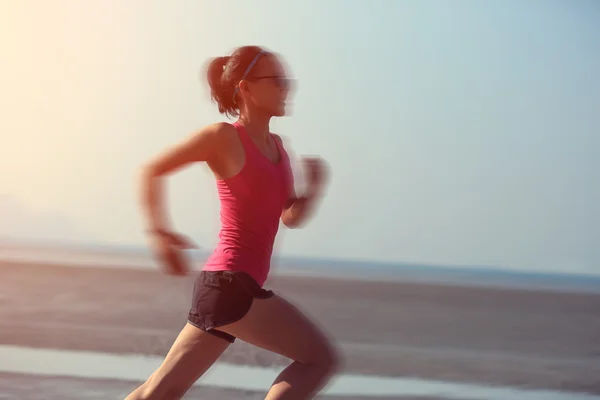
[[200, 147]]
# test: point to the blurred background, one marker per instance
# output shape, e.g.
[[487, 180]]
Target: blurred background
[[457, 244]]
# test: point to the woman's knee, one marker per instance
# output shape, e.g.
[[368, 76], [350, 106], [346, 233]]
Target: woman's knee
[[327, 357], [334, 358]]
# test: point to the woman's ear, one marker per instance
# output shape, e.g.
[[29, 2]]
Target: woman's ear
[[244, 87]]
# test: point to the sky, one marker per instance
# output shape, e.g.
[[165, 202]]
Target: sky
[[459, 133]]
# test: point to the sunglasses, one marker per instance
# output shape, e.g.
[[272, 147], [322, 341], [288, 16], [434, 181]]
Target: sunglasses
[[281, 82]]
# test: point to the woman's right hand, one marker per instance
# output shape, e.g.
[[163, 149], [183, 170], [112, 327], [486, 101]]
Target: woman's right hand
[[168, 248]]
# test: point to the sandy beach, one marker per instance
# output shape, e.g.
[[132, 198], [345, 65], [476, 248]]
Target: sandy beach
[[517, 338]]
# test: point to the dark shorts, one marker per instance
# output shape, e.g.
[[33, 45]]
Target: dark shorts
[[221, 298]]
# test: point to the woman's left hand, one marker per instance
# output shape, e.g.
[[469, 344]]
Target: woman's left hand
[[316, 172]]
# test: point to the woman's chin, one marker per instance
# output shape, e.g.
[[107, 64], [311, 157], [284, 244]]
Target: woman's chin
[[282, 111]]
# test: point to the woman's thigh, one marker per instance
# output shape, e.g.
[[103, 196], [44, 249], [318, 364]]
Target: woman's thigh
[[276, 325]]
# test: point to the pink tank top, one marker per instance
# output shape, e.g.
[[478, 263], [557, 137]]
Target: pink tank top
[[251, 205]]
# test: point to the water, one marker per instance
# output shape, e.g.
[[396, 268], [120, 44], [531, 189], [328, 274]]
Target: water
[[82, 364], [46, 362]]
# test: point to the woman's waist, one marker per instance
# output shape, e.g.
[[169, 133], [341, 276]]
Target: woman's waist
[[232, 250], [255, 264]]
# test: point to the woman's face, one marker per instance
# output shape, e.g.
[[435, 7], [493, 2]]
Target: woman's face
[[268, 86]]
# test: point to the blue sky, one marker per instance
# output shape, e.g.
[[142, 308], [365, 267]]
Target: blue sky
[[458, 132]]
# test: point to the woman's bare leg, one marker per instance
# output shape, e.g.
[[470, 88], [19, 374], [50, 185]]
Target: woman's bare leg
[[277, 326], [192, 354]]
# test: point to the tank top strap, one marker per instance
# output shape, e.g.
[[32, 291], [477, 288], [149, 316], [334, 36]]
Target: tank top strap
[[249, 147], [277, 144], [282, 153]]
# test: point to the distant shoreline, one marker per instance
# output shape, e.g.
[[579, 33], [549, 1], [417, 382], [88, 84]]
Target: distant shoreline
[[139, 258], [457, 282]]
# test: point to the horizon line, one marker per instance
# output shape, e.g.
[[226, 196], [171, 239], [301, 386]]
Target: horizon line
[[72, 244]]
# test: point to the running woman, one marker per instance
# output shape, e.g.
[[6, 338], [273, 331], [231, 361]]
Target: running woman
[[256, 191]]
